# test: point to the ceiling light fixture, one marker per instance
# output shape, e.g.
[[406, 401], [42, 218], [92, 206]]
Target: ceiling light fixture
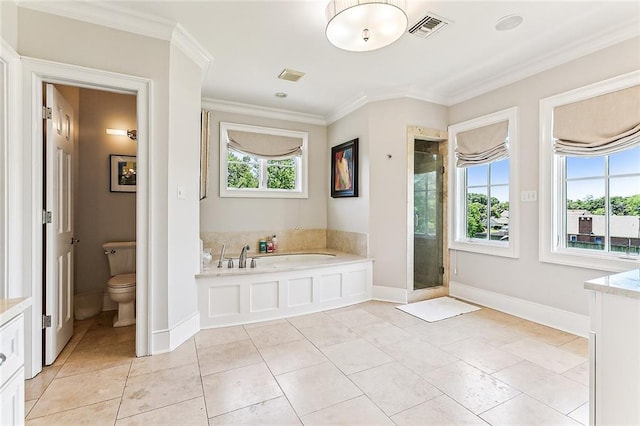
[[364, 25], [509, 22]]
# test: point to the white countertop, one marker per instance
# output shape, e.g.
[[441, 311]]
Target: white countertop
[[622, 284], [9, 308]]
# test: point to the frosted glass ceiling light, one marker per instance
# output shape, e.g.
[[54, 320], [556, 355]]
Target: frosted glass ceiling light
[[363, 25]]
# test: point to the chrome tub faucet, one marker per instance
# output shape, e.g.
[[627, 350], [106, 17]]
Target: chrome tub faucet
[[242, 261]]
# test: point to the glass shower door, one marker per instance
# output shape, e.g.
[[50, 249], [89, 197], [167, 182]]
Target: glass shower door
[[427, 224]]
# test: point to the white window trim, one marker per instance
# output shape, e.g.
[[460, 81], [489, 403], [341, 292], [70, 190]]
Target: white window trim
[[302, 176], [457, 199], [552, 190]]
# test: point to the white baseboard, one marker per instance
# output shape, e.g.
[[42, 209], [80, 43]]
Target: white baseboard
[[389, 294], [163, 341], [553, 317]]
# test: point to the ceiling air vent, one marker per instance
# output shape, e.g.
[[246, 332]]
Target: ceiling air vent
[[290, 75], [428, 25]]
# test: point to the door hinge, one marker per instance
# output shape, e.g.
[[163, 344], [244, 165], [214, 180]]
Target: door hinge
[[442, 270], [46, 321], [46, 217], [442, 169], [46, 113]]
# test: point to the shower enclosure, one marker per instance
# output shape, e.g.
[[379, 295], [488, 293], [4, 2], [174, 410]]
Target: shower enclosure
[[428, 267]]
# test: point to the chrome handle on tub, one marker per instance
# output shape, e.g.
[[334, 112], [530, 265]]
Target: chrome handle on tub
[[3, 358], [253, 262]]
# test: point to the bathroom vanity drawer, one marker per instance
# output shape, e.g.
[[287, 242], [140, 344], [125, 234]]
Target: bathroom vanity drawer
[[11, 348]]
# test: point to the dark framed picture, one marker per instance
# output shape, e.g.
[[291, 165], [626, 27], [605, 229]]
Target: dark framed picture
[[344, 169], [123, 173]]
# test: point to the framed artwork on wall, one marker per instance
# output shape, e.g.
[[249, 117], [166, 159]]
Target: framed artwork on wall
[[344, 169], [123, 173]]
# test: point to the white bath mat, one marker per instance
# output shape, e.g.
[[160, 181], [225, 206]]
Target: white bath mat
[[437, 309]]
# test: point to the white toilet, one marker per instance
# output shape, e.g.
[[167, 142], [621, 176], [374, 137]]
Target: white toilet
[[122, 284]]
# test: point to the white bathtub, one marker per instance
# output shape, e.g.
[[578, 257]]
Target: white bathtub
[[281, 286]]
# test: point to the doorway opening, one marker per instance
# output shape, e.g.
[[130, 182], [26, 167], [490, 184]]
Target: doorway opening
[[92, 202]]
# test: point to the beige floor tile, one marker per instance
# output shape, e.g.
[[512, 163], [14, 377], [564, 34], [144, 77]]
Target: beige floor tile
[[524, 410], [214, 359], [578, 346], [394, 388], [356, 355], [106, 336], [491, 333], [498, 317], [291, 356], [101, 413], [328, 334], [474, 389], [382, 333], [34, 388], [191, 412], [544, 355], [579, 374], [78, 334], [399, 318], [220, 336], [310, 320], [160, 389], [581, 414], [543, 333], [275, 411], [353, 317], [83, 389], [98, 358], [420, 357], [550, 388], [480, 355], [356, 411], [183, 355], [230, 390], [437, 334], [441, 410], [264, 323], [28, 405], [314, 388], [275, 334]]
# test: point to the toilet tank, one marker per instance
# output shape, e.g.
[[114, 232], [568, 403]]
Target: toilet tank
[[122, 257]]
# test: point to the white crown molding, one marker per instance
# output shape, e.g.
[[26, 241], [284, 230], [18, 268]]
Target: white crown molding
[[192, 48], [265, 112], [108, 15], [562, 55]]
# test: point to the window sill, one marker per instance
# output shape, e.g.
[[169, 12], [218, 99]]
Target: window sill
[[248, 193], [609, 263], [482, 247]]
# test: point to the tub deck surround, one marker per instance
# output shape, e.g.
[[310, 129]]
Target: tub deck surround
[[286, 287]]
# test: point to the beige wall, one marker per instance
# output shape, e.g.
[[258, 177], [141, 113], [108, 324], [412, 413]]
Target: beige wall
[[263, 214], [527, 278], [9, 23], [381, 209], [100, 215]]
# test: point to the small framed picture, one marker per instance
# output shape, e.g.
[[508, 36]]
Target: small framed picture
[[344, 169], [123, 173]]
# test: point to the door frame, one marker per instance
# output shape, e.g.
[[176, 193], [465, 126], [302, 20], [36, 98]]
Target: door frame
[[439, 136], [35, 73]]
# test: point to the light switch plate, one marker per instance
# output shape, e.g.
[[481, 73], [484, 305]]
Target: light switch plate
[[528, 196]]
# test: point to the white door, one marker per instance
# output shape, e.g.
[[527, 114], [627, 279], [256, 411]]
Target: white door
[[59, 237]]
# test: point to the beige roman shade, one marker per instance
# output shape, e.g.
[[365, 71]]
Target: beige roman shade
[[264, 145], [482, 145], [597, 126]]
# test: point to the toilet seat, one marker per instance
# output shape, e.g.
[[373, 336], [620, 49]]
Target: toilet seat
[[122, 281]]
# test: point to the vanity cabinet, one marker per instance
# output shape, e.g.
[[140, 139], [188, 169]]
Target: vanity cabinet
[[12, 361], [614, 349]]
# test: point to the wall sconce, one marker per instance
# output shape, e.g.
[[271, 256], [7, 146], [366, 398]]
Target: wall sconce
[[132, 134]]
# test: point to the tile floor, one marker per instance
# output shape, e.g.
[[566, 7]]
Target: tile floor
[[364, 364]]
